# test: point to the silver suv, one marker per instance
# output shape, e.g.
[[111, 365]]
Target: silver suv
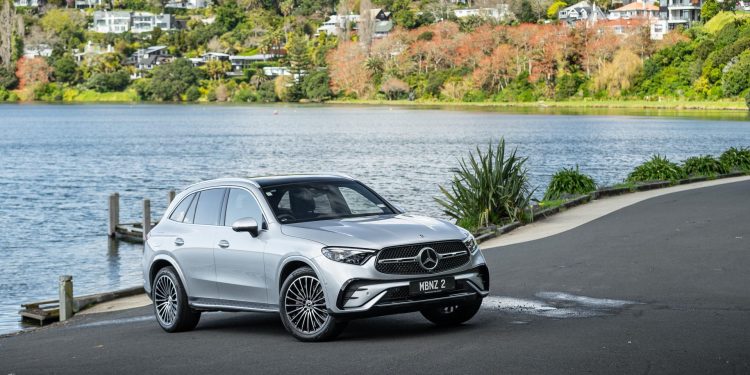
[[318, 249]]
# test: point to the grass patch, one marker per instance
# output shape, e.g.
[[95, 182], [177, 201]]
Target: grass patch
[[73, 95], [715, 24], [545, 204]]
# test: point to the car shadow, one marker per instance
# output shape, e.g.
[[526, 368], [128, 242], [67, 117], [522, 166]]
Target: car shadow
[[377, 328]]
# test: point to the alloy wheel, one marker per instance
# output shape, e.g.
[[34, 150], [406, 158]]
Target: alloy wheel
[[165, 299], [305, 304]]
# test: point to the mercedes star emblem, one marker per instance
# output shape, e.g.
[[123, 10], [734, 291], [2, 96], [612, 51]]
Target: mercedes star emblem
[[428, 258]]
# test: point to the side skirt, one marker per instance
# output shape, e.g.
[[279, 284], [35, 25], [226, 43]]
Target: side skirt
[[215, 304]]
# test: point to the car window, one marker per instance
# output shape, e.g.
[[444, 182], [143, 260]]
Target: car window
[[191, 211], [357, 203], [299, 202], [209, 207], [179, 213], [242, 204]]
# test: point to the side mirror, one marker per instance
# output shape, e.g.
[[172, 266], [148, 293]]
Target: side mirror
[[246, 224]]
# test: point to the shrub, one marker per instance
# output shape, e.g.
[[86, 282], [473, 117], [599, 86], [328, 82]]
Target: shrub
[[658, 168], [705, 165], [736, 158], [489, 188], [569, 181], [8, 78], [109, 82], [192, 94]]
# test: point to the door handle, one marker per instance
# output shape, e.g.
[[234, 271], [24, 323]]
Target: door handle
[[179, 241], [223, 244]]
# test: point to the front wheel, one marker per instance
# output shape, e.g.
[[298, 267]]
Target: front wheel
[[303, 308], [171, 303], [454, 314]]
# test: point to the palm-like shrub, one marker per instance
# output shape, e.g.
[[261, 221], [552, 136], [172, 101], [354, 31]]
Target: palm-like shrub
[[569, 181], [736, 158], [704, 165], [657, 168], [488, 188]]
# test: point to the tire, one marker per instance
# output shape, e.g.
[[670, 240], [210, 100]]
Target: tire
[[167, 291], [452, 315], [302, 306]]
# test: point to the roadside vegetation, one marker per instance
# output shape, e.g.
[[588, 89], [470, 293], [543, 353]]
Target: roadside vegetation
[[491, 187], [569, 182], [705, 165], [658, 168]]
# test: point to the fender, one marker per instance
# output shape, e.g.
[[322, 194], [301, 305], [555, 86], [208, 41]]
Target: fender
[[173, 262], [294, 258]]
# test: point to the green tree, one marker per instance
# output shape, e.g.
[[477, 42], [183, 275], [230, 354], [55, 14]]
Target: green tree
[[66, 70], [109, 82], [317, 85], [737, 77], [169, 81], [299, 62], [228, 16], [8, 78], [709, 9], [525, 12]]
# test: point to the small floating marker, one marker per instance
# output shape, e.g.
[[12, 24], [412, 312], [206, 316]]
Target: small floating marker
[[275, 112]]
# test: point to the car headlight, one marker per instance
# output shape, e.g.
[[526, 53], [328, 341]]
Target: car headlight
[[471, 244], [347, 255]]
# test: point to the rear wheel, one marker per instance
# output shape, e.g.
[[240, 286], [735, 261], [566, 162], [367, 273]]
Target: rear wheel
[[171, 304], [453, 314], [303, 308]]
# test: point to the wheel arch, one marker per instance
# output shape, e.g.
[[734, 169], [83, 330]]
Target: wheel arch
[[161, 261]]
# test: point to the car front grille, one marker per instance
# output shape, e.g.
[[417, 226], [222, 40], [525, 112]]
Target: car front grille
[[402, 260]]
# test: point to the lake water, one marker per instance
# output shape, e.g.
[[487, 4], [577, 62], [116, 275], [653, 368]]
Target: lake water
[[58, 164]]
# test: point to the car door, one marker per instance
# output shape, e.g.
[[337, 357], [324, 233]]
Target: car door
[[192, 242], [240, 271]]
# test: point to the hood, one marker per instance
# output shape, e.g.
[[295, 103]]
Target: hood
[[375, 232]]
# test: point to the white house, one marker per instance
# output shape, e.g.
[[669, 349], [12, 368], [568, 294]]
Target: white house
[[116, 22], [659, 28], [683, 12], [144, 22], [582, 11], [91, 50], [635, 10], [41, 50], [337, 24], [148, 58], [25, 3], [187, 4], [137, 22], [500, 13]]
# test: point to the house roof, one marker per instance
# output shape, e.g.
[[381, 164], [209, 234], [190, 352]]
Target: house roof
[[637, 6]]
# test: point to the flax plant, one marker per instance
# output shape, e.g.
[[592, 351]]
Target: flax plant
[[487, 188]]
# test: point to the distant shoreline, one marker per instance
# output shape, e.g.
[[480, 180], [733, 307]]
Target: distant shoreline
[[676, 105]]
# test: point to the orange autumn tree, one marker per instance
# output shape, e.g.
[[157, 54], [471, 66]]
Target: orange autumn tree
[[32, 71], [496, 70], [346, 67]]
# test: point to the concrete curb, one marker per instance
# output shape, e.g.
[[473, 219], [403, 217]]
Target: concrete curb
[[493, 231], [88, 301]]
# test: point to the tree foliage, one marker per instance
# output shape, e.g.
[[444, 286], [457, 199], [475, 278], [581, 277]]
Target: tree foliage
[[172, 80]]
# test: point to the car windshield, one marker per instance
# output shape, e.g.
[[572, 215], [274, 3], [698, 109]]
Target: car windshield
[[309, 201]]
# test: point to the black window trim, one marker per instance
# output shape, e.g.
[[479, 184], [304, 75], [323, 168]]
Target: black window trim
[[222, 217]]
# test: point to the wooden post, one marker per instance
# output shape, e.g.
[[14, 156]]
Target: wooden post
[[66, 297], [146, 218], [114, 213], [170, 196]]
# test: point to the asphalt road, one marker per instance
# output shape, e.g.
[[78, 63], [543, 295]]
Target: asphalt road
[[662, 286]]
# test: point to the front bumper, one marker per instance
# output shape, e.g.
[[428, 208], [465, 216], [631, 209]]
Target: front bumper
[[364, 298]]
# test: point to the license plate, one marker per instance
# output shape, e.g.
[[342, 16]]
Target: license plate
[[432, 285]]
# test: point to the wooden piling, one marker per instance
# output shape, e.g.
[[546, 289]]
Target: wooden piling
[[66, 297], [146, 218], [170, 196], [114, 213]]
